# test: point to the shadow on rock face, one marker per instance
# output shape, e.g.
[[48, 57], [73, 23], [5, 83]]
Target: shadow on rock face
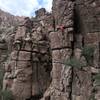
[[36, 97]]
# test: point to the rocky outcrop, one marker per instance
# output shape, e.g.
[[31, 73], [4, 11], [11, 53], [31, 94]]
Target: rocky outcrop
[[8, 26], [55, 56], [74, 35], [30, 62], [61, 39]]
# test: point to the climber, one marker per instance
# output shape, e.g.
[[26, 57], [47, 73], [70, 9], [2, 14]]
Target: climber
[[61, 27]]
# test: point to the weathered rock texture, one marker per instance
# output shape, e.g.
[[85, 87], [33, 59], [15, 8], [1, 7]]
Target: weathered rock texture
[[29, 63], [56, 56], [8, 25]]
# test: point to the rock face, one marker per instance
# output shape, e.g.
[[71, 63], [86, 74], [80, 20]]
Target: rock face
[[61, 45], [29, 62], [55, 56], [8, 25]]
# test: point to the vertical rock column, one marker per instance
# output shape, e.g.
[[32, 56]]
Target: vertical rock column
[[21, 62], [87, 24], [61, 40], [41, 59], [30, 61], [92, 39]]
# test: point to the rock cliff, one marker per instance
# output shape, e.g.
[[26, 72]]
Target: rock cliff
[[55, 56]]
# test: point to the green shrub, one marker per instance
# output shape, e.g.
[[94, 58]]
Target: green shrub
[[7, 95], [88, 52], [97, 76], [97, 79], [97, 83], [4, 95], [74, 63], [1, 80], [92, 97]]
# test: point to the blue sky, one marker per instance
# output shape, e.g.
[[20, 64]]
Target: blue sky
[[24, 7]]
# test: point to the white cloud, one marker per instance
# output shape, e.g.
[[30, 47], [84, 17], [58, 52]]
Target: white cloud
[[24, 7], [47, 4]]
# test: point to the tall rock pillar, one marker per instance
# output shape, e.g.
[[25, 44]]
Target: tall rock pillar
[[61, 41]]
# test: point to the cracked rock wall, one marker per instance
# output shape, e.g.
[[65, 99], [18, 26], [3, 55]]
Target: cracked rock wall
[[55, 56]]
